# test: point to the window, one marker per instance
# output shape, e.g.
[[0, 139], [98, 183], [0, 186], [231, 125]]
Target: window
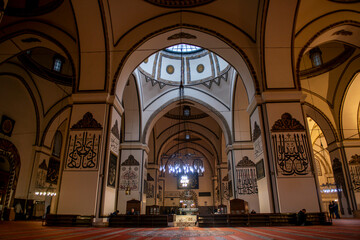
[[315, 57], [57, 65], [186, 111], [183, 48]]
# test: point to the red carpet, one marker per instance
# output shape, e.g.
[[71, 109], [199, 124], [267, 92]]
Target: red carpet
[[341, 229]]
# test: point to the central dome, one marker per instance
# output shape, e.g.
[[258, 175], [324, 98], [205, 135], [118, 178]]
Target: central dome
[[184, 63]]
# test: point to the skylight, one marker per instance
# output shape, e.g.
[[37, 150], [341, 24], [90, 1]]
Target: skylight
[[183, 48]]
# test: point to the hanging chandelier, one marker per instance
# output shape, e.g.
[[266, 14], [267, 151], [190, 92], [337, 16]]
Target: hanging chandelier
[[179, 163]]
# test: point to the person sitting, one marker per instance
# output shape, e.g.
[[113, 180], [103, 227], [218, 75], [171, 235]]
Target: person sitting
[[253, 212], [301, 217], [131, 212], [114, 213]]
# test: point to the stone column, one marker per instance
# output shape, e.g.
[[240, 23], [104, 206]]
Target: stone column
[[87, 155], [346, 168], [290, 183], [133, 172]]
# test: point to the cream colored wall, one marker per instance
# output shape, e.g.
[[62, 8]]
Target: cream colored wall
[[132, 113], [79, 188], [16, 103], [292, 189], [109, 194], [78, 193], [264, 184]]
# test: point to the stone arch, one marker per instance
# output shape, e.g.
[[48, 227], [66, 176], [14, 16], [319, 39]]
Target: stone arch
[[205, 38], [323, 122], [9, 152], [165, 107], [349, 112]]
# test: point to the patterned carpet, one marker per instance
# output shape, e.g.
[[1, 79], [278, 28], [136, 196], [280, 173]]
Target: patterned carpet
[[341, 229]]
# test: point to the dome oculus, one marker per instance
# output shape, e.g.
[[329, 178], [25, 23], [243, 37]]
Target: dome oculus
[[183, 48]]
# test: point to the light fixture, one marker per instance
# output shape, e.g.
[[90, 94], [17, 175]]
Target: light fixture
[[182, 162], [184, 180], [128, 190]]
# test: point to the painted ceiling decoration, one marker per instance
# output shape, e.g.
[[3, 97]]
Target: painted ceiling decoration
[[181, 35], [31, 8], [179, 3], [184, 63]]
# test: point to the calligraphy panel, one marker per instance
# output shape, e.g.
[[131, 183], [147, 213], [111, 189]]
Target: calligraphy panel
[[52, 175], [291, 147], [83, 150]]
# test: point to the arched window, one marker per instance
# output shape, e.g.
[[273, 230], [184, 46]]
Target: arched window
[[315, 56], [57, 144]]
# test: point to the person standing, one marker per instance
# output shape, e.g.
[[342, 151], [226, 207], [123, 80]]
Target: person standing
[[336, 210], [331, 210]]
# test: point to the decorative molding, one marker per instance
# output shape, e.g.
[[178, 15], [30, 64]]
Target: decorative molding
[[181, 35], [42, 9], [178, 3], [43, 165], [287, 123], [354, 165], [112, 171], [343, 32], [7, 125], [182, 117], [226, 178], [149, 178], [131, 161], [30, 40], [245, 163], [355, 159], [256, 132], [345, 1], [260, 169], [87, 122], [115, 130]]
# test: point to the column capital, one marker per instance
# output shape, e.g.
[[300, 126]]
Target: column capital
[[97, 98], [134, 146], [283, 96]]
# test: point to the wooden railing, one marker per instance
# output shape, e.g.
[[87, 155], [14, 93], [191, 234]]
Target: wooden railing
[[271, 219], [68, 220]]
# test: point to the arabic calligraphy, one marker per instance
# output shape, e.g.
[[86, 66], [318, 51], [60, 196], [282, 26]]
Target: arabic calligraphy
[[83, 150], [292, 153]]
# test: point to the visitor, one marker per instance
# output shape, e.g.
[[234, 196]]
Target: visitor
[[114, 213], [336, 210], [331, 209], [48, 209], [18, 211], [301, 217], [131, 212]]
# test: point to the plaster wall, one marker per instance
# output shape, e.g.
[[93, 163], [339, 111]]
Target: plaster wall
[[16, 103]]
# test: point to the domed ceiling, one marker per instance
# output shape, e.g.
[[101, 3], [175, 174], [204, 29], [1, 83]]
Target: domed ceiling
[[184, 63]]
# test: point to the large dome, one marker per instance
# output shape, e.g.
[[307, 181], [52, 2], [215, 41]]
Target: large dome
[[183, 62]]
